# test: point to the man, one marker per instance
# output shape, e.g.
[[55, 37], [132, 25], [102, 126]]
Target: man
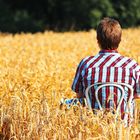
[[107, 66]]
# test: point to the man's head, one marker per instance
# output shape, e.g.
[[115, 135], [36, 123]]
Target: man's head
[[109, 34]]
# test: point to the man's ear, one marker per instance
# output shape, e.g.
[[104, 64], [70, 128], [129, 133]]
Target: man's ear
[[98, 44], [97, 40]]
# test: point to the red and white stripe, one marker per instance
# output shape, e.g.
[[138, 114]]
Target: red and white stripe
[[107, 66]]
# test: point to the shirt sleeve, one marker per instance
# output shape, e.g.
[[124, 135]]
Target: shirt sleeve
[[137, 89], [77, 82]]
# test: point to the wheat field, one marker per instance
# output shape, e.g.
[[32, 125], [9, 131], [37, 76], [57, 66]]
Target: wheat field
[[37, 70]]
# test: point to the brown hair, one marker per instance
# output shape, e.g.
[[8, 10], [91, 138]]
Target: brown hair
[[109, 34]]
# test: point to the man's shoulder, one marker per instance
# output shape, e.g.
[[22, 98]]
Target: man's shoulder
[[86, 59], [132, 63], [125, 58]]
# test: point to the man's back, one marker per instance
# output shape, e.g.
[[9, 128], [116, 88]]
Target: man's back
[[107, 66]]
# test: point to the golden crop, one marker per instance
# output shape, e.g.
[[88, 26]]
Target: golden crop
[[36, 71]]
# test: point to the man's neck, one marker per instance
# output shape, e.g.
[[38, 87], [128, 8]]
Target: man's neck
[[108, 51]]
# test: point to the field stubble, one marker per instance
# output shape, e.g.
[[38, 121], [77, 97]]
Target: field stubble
[[36, 71]]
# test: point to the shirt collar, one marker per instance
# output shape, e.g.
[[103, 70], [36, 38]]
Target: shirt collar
[[108, 51]]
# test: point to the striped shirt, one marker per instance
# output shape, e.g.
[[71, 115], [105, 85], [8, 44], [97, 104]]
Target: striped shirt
[[107, 66]]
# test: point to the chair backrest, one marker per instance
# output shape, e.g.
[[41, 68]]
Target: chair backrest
[[110, 84]]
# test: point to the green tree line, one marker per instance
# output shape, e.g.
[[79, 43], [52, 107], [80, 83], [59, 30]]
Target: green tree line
[[64, 15]]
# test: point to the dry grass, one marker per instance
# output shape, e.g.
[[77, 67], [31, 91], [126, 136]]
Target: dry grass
[[37, 70]]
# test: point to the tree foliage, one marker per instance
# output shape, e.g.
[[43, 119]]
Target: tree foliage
[[61, 15]]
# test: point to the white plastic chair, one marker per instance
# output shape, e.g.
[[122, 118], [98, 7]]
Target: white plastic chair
[[110, 84]]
